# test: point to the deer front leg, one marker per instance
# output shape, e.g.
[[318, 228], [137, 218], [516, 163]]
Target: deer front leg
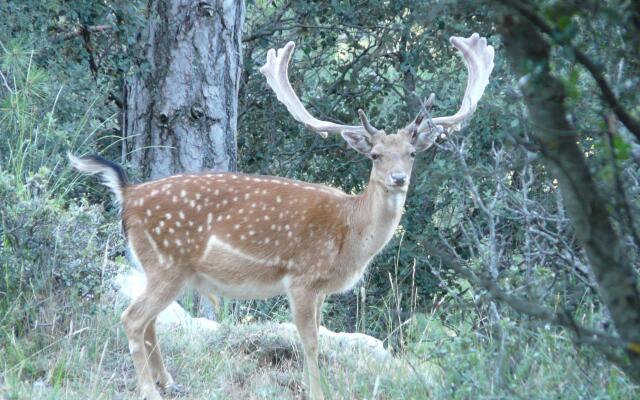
[[304, 307]]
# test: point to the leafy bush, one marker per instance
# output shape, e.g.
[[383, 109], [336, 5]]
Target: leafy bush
[[50, 253]]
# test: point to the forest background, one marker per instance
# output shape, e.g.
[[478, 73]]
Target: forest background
[[514, 272]]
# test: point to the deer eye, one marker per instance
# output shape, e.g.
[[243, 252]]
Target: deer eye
[[376, 156], [413, 154]]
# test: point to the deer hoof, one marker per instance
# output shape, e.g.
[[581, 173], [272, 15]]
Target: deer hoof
[[174, 390]]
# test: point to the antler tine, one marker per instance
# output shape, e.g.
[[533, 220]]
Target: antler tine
[[479, 59], [276, 72], [366, 125], [425, 109]]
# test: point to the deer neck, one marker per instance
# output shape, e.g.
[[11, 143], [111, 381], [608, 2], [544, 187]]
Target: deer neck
[[376, 216]]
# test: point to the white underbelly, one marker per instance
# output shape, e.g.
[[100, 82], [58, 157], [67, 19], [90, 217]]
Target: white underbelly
[[246, 290]]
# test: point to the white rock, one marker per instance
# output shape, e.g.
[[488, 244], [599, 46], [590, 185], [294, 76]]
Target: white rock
[[131, 284]]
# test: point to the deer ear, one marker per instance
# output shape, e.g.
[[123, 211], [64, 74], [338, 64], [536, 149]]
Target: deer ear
[[426, 139], [359, 141]]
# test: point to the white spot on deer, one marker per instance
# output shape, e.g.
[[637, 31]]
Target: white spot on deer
[[278, 199], [178, 224], [199, 228], [264, 191], [257, 180], [192, 203], [157, 206], [198, 195], [228, 217], [235, 198], [246, 196], [178, 242], [224, 202], [216, 192], [190, 224], [281, 215], [199, 208], [273, 227], [157, 230], [267, 240], [167, 215], [219, 218], [251, 233], [165, 243], [181, 215], [174, 199], [161, 223], [289, 234], [153, 193], [241, 211], [242, 237], [183, 193], [209, 218], [148, 212], [171, 230], [236, 226]]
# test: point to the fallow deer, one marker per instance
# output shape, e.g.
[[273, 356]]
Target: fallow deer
[[250, 236]]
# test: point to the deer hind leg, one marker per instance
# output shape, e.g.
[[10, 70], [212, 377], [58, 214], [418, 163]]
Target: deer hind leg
[[304, 307], [319, 302], [161, 376], [137, 318]]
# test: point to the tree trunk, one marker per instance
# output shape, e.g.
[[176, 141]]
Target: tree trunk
[[544, 96], [181, 106]]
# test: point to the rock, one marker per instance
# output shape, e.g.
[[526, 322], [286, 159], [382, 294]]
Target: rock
[[131, 284]]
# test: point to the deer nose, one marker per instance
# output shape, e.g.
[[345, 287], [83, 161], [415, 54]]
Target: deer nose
[[399, 178]]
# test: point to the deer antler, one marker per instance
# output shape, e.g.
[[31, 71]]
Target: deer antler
[[276, 72], [479, 59]]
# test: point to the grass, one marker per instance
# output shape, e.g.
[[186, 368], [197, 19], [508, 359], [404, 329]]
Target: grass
[[90, 359]]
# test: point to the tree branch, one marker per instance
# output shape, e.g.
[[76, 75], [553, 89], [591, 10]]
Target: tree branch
[[608, 95]]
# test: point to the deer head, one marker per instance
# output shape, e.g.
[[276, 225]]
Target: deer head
[[392, 155]]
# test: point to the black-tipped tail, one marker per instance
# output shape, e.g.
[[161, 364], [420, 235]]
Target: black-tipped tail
[[113, 175]]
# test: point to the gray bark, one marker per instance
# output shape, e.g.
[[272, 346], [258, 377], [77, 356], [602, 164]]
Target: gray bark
[[545, 99], [181, 106]]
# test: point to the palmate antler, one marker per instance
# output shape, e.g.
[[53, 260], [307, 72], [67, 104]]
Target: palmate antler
[[276, 72], [478, 57]]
